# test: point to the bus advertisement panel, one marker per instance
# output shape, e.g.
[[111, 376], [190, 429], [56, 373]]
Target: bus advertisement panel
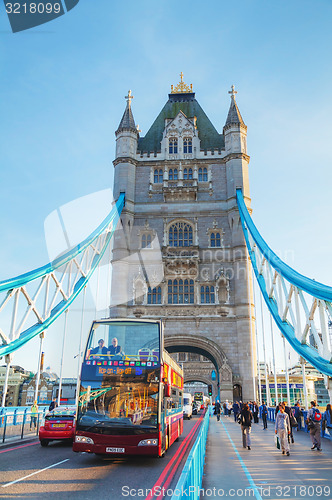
[[130, 399]]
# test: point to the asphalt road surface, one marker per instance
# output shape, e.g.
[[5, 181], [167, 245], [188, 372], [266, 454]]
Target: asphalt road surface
[[30, 471]]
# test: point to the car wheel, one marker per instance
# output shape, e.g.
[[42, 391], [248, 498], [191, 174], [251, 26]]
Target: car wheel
[[44, 442]]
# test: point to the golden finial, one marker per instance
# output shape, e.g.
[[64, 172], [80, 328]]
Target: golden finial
[[181, 87], [232, 92], [129, 97]]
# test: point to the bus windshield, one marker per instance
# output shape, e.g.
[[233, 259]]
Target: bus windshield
[[123, 400], [120, 376]]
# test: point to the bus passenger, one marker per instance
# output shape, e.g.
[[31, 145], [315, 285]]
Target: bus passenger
[[115, 348], [98, 352]]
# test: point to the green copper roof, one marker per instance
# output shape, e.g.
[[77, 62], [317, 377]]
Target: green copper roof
[[208, 135]]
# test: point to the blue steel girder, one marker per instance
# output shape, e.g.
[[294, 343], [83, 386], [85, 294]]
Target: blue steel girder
[[48, 291], [300, 306]]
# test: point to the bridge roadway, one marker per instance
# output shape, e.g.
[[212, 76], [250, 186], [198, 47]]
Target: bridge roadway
[[230, 471], [235, 471], [57, 472]]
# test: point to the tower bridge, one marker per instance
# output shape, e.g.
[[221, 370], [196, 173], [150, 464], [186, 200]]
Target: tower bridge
[[185, 250], [180, 181]]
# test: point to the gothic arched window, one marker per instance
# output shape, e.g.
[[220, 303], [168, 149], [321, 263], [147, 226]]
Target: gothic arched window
[[202, 174], [43, 394], [173, 174], [154, 295], [180, 234], [207, 294], [146, 240], [30, 395], [158, 176], [180, 291], [173, 145], [187, 145], [215, 239], [188, 174]]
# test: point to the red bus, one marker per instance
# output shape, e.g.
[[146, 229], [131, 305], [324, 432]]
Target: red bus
[[130, 400]]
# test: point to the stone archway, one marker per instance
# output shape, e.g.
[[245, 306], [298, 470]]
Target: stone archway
[[223, 385]]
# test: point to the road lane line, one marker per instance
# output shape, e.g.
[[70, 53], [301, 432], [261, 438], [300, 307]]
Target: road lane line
[[163, 475], [37, 472], [17, 447], [243, 465]]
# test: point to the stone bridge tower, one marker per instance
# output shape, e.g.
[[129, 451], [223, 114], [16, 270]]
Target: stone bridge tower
[[180, 255]]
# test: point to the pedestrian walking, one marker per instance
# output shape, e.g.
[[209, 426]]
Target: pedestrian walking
[[255, 412], [327, 419], [34, 415], [245, 421], [290, 414], [314, 419], [298, 415], [218, 409], [236, 409], [283, 428], [53, 405], [264, 415]]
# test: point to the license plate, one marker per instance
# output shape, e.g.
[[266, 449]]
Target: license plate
[[115, 450], [59, 425]]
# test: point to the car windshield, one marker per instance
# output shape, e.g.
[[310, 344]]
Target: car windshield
[[61, 414]]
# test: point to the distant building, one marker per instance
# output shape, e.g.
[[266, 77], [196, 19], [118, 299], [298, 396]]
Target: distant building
[[68, 390], [314, 382], [45, 391], [17, 375]]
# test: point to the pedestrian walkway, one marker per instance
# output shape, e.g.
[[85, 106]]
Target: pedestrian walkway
[[263, 472]]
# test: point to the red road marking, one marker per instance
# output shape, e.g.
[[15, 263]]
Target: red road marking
[[181, 450], [17, 447]]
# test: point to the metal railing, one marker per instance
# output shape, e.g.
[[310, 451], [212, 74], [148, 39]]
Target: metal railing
[[302, 426], [19, 424], [190, 481]]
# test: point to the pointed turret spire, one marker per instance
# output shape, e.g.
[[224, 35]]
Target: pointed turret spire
[[127, 122], [234, 115]]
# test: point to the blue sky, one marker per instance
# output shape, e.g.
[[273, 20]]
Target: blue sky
[[62, 96]]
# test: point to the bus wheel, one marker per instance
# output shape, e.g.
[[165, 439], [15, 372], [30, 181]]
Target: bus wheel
[[44, 442]]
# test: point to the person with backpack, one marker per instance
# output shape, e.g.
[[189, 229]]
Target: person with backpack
[[245, 419], [313, 421], [283, 428]]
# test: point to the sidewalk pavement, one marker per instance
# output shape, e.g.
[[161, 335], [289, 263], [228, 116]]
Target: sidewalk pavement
[[16, 440], [231, 470]]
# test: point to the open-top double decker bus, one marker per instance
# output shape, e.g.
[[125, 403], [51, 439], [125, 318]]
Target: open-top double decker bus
[[199, 399], [130, 400]]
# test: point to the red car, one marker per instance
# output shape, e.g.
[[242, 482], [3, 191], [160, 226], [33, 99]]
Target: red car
[[59, 424]]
